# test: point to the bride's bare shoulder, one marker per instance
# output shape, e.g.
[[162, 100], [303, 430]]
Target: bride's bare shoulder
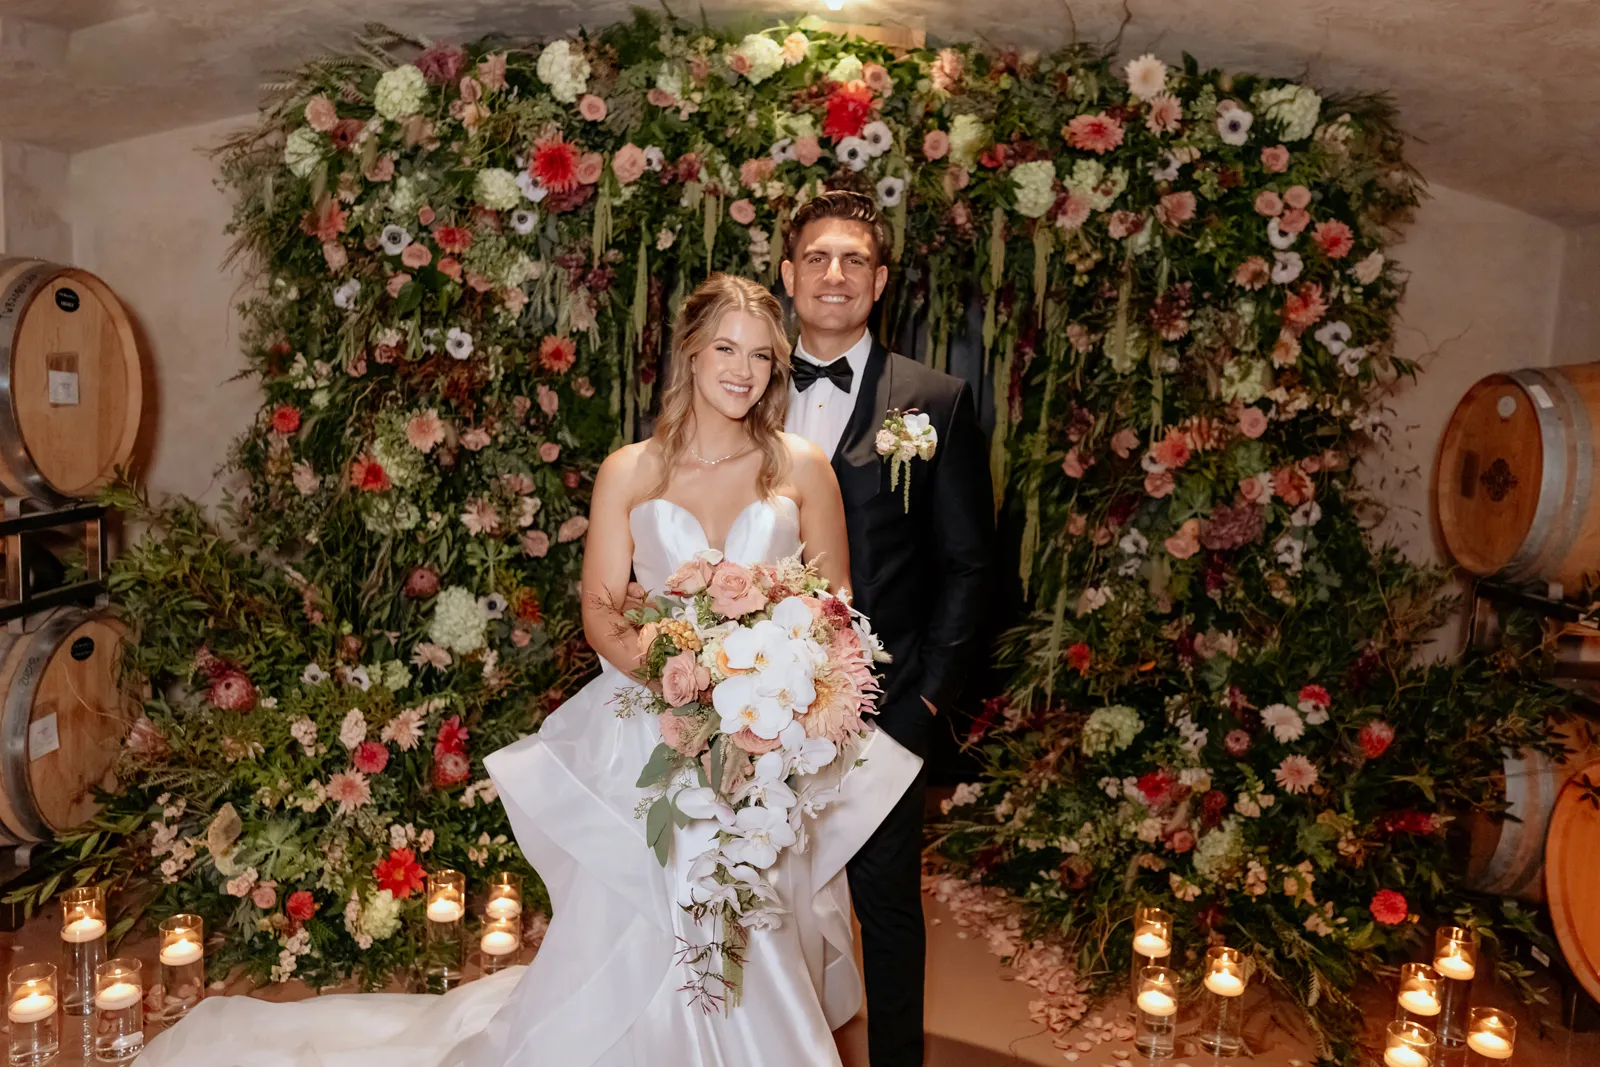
[[629, 473], [804, 454], [810, 470]]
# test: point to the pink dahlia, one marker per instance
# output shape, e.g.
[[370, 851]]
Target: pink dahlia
[[1098, 133], [1389, 907]]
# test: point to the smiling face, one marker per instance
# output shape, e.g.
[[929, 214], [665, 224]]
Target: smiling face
[[732, 372], [835, 277]]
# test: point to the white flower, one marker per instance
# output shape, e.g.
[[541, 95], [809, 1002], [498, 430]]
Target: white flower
[[523, 221], [531, 189], [496, 189], [762, 832], [458, 343], [1283, 721], [1218, 853], [1350, 360], [848, 69], [1294, 107], [564, 70], [1181, 888], [742, 705], [1276, 236], [767, 787], [1333, 335], [853, 152], [782, 151], [665, 238], [1035, 184], [1286, 267], [394, 239], [792, 617], [1306, 514], [789, 683], [492, 606], [700, 802], [890, 190], [1367, 270], [807, 755], [304, 731], [345, 296], [765, 57], [654, 158], [313, 675], [1093, 599], [458, 626], [353, 730], [878, 136], [1167, 169], [755, 647], [1289, 551], [1233, 123], [1133, 542], [302, 151], [1110, 729], [968, 137], [1147, 76], [669, 79], [358, 677], [400, 92]]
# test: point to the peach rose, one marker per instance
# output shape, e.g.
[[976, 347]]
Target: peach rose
[[449, 266], [807, 150], [590, 167], [1158, 484], [1269, 203], [628, 164], [1186, 542], [690, 578], [1252, 422], [1294, 220], [660, 98], [647, 637], [935, 144], [1275, 159], [733, 591], [1298, 196], [416, 255], [1123, 442], [675, 731], [592, 107], [756, 746], [742, 211], [682, 679], [320, 114], [397, 282]]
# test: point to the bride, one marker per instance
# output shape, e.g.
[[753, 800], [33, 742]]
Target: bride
[[606, 987]]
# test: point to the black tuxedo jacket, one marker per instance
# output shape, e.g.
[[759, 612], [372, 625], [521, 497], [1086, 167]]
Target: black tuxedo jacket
[[920, 576]]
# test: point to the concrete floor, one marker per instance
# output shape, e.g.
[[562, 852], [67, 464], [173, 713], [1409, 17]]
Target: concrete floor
[[976, 1015]]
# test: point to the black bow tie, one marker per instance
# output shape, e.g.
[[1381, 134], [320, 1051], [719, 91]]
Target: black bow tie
[[838, 372]]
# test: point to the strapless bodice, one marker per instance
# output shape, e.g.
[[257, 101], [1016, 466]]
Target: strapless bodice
[[667, 535]]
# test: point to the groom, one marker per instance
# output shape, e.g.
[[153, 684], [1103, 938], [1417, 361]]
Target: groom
[[918, 572]]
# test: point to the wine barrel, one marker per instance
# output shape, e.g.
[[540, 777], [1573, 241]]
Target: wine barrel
[[1506, 857], [62, 721], [1571, 853], [1515, 488], [70, 387]]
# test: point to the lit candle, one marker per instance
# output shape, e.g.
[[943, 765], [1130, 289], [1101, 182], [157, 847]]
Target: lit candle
[[1155, 1002], [36, 1007], [1452, 965], [1404, 1056], [82, 930], [181, 952], [1489, 1046], [118, 995], [503, 908], [444, 910], [1152, 945], [1419, 1002], [499, 943], [1225, 984]]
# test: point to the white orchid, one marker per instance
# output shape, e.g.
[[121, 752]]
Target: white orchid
[[762, 832], [700, 802], [742, 706], [793, 618], [754, 648], [807, 755]]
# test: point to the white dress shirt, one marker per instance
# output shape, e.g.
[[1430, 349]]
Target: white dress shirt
[[821, 413]]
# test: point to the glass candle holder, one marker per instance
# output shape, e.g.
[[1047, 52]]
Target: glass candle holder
[[505, 897], [1152, 944], [1408, 1045], [1417, 1000], [1491, 1037], [83, 946], [444, 948], [118, 1011], [1222, 1003], [500, 942], [1156, 1008], [183, 965], [32, 1009], [1455, 957]]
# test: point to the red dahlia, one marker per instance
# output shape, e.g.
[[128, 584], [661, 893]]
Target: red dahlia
[[453, 239], [558, 354], [400, 873], [286, 419], [849, 109], [370, 757], [368, 475], [450, 768], [300, 906], [452, 736], [231, 691], [554, 164], [1375, 738], [1080, 656], [1389, 907]]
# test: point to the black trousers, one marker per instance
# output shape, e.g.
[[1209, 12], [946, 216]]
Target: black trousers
[[886, 888]]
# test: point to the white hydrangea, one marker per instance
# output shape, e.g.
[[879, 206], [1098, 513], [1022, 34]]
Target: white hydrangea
[[457, 623], [1245, 380], [968, 137], [847, 70], [670, 80], [302, 151], [380, 919], [496, 189], [1111, 729], [400, 92], [1035, 184], [404, 196], [1218, 854], [1294, 107], [565, 70], [764, 55], [396, 676], [1094, 183]]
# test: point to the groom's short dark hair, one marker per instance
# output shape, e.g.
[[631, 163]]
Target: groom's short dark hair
[[839, 204]]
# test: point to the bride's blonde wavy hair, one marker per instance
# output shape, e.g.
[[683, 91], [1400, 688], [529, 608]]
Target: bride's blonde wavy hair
[[694, 330]]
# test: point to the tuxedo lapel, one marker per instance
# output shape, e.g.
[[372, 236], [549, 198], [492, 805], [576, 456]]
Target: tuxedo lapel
[[856, 445]]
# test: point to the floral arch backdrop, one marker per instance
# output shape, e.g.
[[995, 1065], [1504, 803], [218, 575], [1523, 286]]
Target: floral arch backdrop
[[468, 255]]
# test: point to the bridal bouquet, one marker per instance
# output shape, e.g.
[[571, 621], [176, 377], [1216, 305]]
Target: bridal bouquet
[[760, 678]]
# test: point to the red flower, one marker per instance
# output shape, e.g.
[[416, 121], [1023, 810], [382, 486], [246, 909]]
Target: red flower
[[1315, 694], [1375, 738], [422, 583], [995, 156], [1156, 787], [453, 239], [368, 475], [371, 757], [1079, 656], [300, 906], [688, 167], [1212, 807], [286, 419], [849, 110], [1237, 742], [1093, 133], [1407, 822], [231, 691], [1181, 841], [442, 64], [1389, 907], [326, 222], [554, 164], [1304, 308], [400, 873], [1173, 450], [450, 768], [1334, 238], [452, 736], [525, 606], [345, 132], [558, 354]]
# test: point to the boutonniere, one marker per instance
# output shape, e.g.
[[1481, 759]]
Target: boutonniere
[[905, 436]]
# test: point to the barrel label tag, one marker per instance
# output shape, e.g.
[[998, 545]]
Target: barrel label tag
[[82, 648], [1538, 954], [43, 737], [67, 299], [1540, 397], [63, 378]]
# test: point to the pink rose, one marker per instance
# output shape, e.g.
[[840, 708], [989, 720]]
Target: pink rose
[[381, 169], [1181, 841], [733, 591], [549, 451], [549, 399], [675, 731], [265, 895], [590, 167], [1269, 203], [449, 266], [756, 746], [397, 282], [320, 114], [690, 578], [1294, 220], [1252, 422], [1158, 484], [536, 543], [807, 150], [416, 255], [682, 679], [1275, 159], [742, 211], [1072, 464], [1186, 542], [661, 98], [628, 164], [592, 107], [573, 529], [1175, 209], [739, 63], [1298, 196], [935, 144]]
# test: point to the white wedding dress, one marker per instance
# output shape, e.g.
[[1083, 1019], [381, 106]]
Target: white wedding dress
[[604, 988]]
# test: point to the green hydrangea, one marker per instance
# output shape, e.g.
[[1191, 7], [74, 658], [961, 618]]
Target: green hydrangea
[[1246, 380], [968, 137], [457, 623], [1294, 107], [1035, 184], [380, 917], [496, 189], [303, 151], [492, 256], [388, 513], [1111, 729], [1218, 854], [400, 92], [847, 70], [765, 56], [396, 675]]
